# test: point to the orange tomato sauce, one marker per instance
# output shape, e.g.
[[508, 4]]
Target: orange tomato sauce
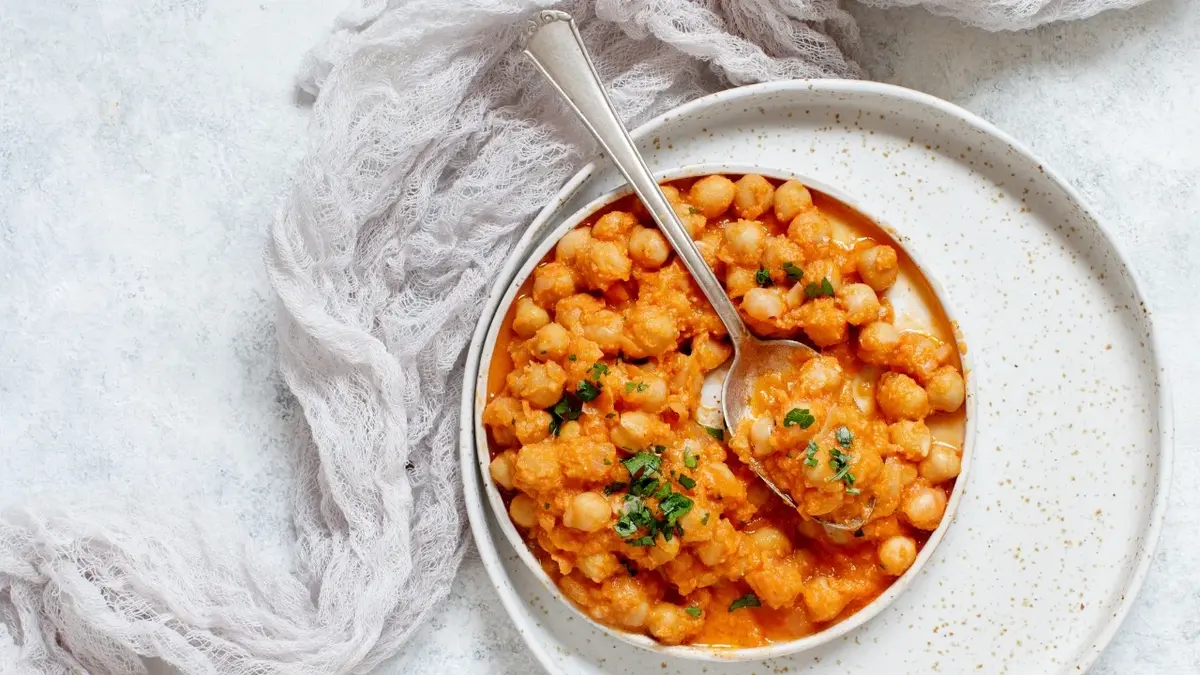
[[649, 522]]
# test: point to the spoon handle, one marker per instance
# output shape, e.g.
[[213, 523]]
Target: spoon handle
[[552, 41]]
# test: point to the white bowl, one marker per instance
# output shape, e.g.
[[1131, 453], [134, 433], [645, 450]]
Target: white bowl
[[495, 499]]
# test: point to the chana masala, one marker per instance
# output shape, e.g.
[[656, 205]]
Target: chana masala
[[642, 509]]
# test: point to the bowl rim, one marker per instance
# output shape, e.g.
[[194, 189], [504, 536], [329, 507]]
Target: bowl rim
[[533, 256]]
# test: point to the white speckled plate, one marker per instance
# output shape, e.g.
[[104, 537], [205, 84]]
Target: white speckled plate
[[1063, 507]]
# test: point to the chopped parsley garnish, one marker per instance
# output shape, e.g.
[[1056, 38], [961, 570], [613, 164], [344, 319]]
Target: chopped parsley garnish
[[615, 486], [687, 482], [716, 433], [607, 462], [659, 449], [800, 416], [692, 211], [641, 541], [793, 271], [844, 437], [598, 369], [690, 460], [693, 611], [630, 387], [674, 506], [704, 518], [840, 463], [853, 491], [569, 407], [572, 357], [810, 454], [641, 463], [815, 290], [586, 391], [747, 600], [763, 278]]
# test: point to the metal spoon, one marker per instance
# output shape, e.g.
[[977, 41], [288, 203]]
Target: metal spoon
[[553, 42]]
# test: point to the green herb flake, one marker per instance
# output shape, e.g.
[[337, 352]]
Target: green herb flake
[[810, 454], [747, 600], [641, 541], [819, 290], [793, 271], [642, 463], [586, 391], [853, 491], [716, 433], [546, 506], [800, 416], [598, 369], [704, 518], [693, 211], [693, 611], [674, 506], [607, 462], [687, 482], [690, 460], [844, 437], [569, 407], [572, 357], [659, 449], [763, 278]]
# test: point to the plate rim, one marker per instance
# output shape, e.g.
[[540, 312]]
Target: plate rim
[[476, 510]]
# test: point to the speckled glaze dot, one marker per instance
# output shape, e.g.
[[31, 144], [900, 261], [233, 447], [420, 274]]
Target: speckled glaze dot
[[1062, 509]]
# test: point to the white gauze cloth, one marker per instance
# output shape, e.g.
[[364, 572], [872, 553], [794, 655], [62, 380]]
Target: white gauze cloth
[[432, 144]]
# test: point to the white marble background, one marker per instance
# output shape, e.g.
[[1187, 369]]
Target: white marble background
[[144, 147]]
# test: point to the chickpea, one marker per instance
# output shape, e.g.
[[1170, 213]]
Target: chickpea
[[649, 248], [924, 507], [502, 468], [523, 511], [552, 282], [820, 375], [663, 551], [529, 317], [538, 468], [712, 195], [789, 433], [763, 304], [917, 354], [628, 599], [724, 541], [791, 199], [913, 438], [572, 244], [812, 231], [876, 341], [744, 240], [722, 481], [823, 322], [550, 342], [598, 566], [614, 225], [671, 624], [778, 252], [860, 303], [900, 397], [710, 353], [942, 464], [896, 554], [603, 263], [760, 436], [739, 280], [539, 383], [570, 429], [777, 582], [946, 389], [753, 196], [672, 194], [824, 602], [649, 392], [500, 415], [693, 221], [821, 270], [606, 328], [634, 430], [822, 473], [587, 511], [879, 266], [771, 541], [652, 330], [532, 426]]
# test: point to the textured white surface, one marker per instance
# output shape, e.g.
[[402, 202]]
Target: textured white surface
[[143, 150]]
